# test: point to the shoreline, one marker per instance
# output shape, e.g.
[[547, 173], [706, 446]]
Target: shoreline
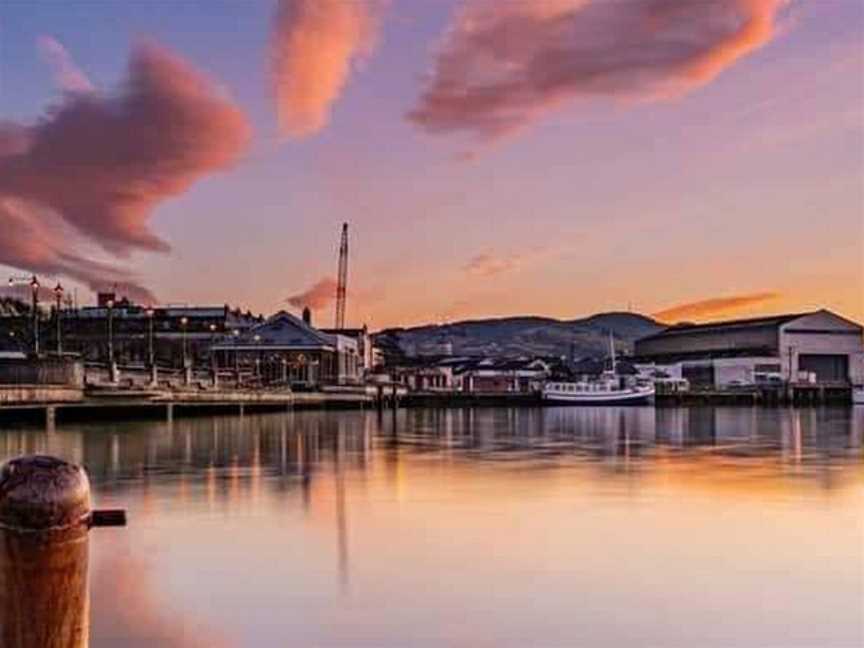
[[167, 406]]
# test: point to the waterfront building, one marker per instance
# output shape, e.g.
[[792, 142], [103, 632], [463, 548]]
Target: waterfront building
[[423, 374], [176, 331], [287, 350], [814, 348], [368, 356], [471, 374]]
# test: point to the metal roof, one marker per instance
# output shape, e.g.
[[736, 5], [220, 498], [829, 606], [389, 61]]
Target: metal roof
[[284, 331], [752, 322]]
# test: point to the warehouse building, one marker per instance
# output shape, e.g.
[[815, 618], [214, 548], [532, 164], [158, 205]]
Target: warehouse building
[[818, 347]]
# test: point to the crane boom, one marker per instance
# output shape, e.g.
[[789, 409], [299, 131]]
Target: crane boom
[[342, 283]]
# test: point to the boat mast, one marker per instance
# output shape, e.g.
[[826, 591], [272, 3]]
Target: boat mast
[[612, 350]]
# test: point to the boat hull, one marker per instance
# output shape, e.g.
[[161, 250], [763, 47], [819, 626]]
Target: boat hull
[[620, 398]]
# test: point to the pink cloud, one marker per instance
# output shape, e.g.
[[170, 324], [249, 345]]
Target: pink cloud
[[68, 75], [93, 169], [504, 64], [40, 242], [314, 44]]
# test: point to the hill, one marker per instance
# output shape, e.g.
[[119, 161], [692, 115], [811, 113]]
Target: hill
[[520, 336]]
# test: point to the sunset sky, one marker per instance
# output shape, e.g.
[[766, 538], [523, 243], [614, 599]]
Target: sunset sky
[[691, 160]]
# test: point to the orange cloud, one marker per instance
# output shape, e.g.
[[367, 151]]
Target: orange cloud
[[319, 296], [714, 307], [314, 44], [92, 170], [504, 64]]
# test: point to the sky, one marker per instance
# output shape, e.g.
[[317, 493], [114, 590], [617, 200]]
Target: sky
[[690, 160]]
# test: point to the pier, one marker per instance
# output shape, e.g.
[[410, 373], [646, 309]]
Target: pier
[[58, 403]]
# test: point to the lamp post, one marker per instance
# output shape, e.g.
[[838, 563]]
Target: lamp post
[[212, 329], [236, 334], [151, 351], [257, 339], [34, 286], [213, 365], [58, 295], [110, 305], [184, 321]]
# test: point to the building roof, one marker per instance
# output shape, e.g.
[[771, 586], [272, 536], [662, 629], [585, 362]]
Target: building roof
[[752, 322], [282, 331]]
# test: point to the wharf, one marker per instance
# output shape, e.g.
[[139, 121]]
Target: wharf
[[470, 399], [36, 403]]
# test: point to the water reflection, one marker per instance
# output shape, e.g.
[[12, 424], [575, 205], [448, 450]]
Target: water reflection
[[321, 525]]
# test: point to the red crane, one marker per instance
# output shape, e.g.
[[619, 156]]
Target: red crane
[[342, 283]]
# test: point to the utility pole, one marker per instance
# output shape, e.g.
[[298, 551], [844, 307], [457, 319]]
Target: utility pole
[[342, 285]]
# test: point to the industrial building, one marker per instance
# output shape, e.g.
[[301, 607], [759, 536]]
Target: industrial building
[[814, 348]]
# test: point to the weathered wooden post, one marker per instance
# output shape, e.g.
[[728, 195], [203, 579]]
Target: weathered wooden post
[[45, 517]]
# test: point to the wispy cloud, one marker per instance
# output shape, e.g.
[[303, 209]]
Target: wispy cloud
[[714, 307], [67, 74], [504, 64], [487, 264], [314, 44], [91, 171], [318, 296]]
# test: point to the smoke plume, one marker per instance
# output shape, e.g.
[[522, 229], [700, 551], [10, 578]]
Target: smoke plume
[[503, 64], [314, 44]]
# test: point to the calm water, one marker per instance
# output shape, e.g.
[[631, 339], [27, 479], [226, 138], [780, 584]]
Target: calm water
[[489, 527]]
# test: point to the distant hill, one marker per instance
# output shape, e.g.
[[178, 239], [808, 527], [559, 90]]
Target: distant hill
[[519, 336]]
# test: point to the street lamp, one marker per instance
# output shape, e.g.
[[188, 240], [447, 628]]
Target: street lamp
[[236, 334], [58, 295], [151, 351], [184, 321], [257, 339], [213, 364], [212, 328], [110, 305], [34, 286]]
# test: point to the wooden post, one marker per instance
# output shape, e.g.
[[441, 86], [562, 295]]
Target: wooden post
[[44, 519]]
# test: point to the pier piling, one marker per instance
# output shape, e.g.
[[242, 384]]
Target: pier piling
[[45, 516]]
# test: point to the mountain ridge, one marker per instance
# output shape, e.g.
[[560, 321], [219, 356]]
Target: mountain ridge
[[520, 335]]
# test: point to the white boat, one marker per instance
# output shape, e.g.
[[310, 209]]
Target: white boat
[[605, 390], [597, 392]]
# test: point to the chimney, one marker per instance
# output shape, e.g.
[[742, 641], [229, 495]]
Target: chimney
[[307, 316], [102, 298]]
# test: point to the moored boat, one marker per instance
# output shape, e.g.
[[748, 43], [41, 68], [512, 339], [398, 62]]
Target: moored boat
[[607, 389], [598, 392]]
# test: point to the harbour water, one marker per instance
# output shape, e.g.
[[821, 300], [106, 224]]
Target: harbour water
[[476, 527]]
